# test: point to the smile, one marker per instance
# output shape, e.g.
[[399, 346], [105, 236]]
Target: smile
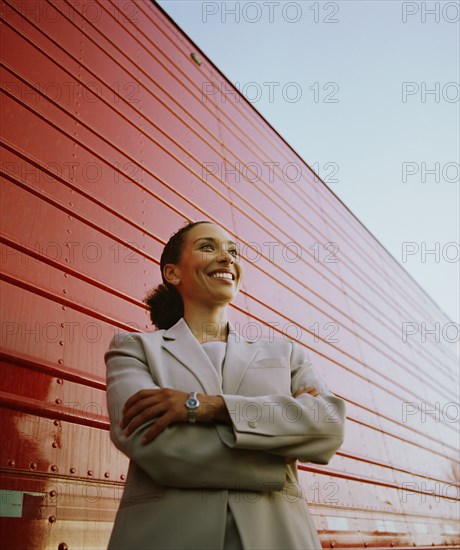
[[222, 275]]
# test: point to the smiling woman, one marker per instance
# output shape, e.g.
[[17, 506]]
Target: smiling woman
[[185, 392], [166, 302]]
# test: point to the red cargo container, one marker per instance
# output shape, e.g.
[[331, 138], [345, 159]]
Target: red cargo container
[[113, 135]]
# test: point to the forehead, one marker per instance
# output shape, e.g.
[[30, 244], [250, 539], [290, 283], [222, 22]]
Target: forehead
[[208, 230]]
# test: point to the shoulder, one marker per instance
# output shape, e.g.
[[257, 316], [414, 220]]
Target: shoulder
[[122, 338]]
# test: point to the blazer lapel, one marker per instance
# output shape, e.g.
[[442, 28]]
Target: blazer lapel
[[240, 354], [180, 342]]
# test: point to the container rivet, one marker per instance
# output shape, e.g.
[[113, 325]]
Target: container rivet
[[196, 58], [53, 493], [54, 444], [52, 519], [11, 462], [90, 472], [58, 401], [54, 468], [33, 465], [106, 474], [122, 477], [60, 381], [63, 546], [72, 470]]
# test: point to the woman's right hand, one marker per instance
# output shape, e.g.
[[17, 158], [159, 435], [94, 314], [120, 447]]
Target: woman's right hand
[[312, 390]]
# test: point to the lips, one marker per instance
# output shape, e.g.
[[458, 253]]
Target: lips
[[222, 274]]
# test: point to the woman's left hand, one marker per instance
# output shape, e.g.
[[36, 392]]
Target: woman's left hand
[[165, 405]]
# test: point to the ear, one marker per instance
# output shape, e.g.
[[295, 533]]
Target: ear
[[172, 274]]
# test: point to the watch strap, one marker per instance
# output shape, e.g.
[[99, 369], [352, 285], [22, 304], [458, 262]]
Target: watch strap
[[192, 409]]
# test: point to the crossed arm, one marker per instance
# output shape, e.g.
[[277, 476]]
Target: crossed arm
[[167, 406], [216, 451]]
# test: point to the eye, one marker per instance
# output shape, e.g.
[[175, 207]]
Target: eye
[[234, 251], [207, 245]]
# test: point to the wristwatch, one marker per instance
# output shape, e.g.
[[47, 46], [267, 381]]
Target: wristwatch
[[192, 405]]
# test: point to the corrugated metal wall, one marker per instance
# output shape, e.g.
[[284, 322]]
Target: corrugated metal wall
[[113, 136]]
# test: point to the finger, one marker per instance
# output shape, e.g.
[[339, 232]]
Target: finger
[[136, 401], [140, 396], [138, 407], [311, 390], [299, 391], [304, 389], [162, 423], [133, 400], [146, 415]]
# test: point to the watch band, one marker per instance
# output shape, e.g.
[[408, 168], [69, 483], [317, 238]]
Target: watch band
[[192, 405]]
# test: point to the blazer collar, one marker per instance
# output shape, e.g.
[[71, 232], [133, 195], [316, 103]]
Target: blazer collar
[[183, 345]]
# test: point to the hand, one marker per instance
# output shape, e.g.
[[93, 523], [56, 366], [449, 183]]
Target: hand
[[165, 405], [312, 390]]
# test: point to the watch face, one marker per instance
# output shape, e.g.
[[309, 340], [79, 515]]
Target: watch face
[[192, 403]]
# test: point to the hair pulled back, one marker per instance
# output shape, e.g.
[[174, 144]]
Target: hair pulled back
[[164, 301]]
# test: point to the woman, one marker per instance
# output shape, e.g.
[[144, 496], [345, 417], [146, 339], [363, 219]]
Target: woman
[[213, 423]]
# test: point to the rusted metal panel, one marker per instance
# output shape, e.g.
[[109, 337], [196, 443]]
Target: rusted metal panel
[[113, 136]]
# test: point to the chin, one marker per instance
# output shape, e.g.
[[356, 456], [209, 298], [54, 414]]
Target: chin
[[226, 297]]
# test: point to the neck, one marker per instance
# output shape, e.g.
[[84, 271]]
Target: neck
[[207, 324]]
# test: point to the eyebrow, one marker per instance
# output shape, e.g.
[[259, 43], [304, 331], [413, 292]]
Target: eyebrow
[[212, 239]]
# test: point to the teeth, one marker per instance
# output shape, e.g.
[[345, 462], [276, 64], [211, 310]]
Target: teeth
[[223, 276]]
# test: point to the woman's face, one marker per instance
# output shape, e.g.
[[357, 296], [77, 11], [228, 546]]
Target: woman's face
[[209, 270]]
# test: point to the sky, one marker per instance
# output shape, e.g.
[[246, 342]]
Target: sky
[[367, 93]]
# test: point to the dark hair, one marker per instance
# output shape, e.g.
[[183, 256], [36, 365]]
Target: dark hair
[[164, 301]]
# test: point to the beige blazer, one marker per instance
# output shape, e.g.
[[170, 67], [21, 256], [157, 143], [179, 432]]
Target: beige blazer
[[179, 485]]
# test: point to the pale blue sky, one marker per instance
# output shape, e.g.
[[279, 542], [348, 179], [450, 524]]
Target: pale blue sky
[[370, 134]]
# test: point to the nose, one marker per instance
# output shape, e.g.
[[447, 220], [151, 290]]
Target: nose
[[225, 255]]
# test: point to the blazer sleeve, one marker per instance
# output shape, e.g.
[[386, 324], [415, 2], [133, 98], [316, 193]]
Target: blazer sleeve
[[310, 429], [183, 455]]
